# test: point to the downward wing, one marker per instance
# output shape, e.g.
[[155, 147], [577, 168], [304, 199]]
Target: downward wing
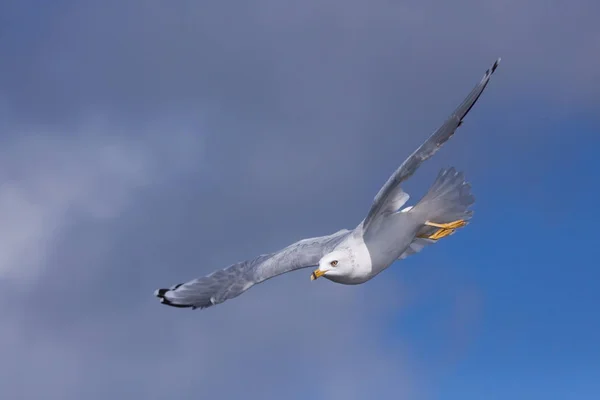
[[391, 196], [232, 281]]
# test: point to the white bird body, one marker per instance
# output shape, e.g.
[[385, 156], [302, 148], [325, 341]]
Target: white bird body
[[351, 257]]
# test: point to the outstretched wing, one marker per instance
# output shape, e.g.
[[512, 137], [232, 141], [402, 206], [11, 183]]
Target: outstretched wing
[[232, 281], [391, 196]]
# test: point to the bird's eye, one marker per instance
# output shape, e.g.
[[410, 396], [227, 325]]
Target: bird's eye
[[334, 263]]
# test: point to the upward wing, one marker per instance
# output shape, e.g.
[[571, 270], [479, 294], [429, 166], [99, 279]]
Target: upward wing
[[232, 281], [391, 196]]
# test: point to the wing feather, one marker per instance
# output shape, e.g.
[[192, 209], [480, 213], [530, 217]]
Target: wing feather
[[232, 281]]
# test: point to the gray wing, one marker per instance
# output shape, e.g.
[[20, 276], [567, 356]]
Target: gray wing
[[232, 281], [390, 197]]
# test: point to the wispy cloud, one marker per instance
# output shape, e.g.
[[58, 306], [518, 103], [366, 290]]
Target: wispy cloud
[[53, 179]]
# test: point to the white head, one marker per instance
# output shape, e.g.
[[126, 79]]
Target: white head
[[334, 265]]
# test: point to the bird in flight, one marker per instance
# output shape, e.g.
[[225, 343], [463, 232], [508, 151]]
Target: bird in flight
[[388, 233]]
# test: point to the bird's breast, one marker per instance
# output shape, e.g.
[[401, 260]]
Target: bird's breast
[[360, 260]]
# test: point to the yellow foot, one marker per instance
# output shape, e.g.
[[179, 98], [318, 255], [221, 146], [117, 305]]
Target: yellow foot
[[445, 229], [450, 225]]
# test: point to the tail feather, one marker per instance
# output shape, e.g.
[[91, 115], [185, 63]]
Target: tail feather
[[447, 200]]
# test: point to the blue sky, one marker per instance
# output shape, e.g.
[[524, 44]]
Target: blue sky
[[147, 143]]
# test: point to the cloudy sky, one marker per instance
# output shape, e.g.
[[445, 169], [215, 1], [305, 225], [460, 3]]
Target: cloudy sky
[[145, 143]]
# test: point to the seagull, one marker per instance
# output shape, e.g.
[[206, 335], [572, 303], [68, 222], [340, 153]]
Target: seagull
[[351, 257]]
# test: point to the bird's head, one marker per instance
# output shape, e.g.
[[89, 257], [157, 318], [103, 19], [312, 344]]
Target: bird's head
[[333, 265]]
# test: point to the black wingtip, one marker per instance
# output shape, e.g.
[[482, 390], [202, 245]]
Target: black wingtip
[[491, 70], [496, 63], [160, 293]]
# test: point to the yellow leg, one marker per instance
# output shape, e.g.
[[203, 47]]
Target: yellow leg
[[445, 229], [450, 225]]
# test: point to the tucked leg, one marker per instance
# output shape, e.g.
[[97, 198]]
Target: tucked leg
[[444, 229]]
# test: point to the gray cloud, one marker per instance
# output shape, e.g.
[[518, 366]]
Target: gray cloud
[[50, 180], [146, 143]]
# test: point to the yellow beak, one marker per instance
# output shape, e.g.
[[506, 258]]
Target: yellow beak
[[317, 273]]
